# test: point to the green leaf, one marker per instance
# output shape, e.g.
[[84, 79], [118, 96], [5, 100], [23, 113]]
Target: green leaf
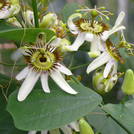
[[97, 117], [6, 121], [6, 26], [69, 9], [25, 35], [123, 113], [43, 111]]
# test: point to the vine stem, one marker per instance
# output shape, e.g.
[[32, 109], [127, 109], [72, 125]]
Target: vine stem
[[4, 64], [124, 99], [75, 79], [35, 13], [79, 66], [19, 21]]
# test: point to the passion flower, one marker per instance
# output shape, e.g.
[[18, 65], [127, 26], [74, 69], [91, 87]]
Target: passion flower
[[42, 60]]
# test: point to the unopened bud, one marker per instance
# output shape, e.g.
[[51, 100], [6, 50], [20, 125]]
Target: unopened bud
[[103, 85], [25, 47], [63, 45], [77, 11], [14, 1], [107, 18], [128, 83], [85, 127], [103, 8], [94, 13]]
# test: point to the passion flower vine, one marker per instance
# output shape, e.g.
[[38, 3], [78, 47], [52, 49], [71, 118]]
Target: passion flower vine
[[92, 30], [43, 59]]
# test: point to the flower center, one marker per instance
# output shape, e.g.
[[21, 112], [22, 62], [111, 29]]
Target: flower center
[[42, 59], [85, 25], [3, 4]]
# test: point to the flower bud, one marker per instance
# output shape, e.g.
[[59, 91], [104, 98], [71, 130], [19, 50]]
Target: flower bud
[[85, 127], [48, 20], [128, 83], [14, 1], [63, 45], [103, 85], [107, 18], [94, 13], [103, 8]]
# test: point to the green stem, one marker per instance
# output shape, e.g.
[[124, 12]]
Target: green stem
[[124, 99], [71, 62], [75, 79], [68, 54], [79, 66], [35, 13], [4, 64], [19, 21]]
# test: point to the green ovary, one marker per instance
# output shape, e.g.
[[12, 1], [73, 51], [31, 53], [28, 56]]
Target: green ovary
[[43, 61], [87, 27]]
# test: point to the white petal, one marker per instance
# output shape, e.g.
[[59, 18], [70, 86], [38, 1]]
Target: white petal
[[89, 37], [107, 69], [119, 19], [63, 69], [54, 131], [9, 12], [99, 61], [59, 80], [32, 132], [105, 35], [66, 130], [56, 42], [116, 29], [22, 74], [94, 49], [75, 126], [70, 23], [28, 85], [77, 43], [44, 132], [44, 82]]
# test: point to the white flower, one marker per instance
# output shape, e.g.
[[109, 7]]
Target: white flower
[[115, 28], [109, 57], [7, 9], [65, 129], [43, 60], [96, 35]]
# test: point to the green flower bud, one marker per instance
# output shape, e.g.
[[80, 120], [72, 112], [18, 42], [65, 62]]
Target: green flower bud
[[77, 11], [128, 83], [107, 18], [48, 20], [94, 13], [14, 1], [103, 8], [63, 45], [85, 127], [103, 85]]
